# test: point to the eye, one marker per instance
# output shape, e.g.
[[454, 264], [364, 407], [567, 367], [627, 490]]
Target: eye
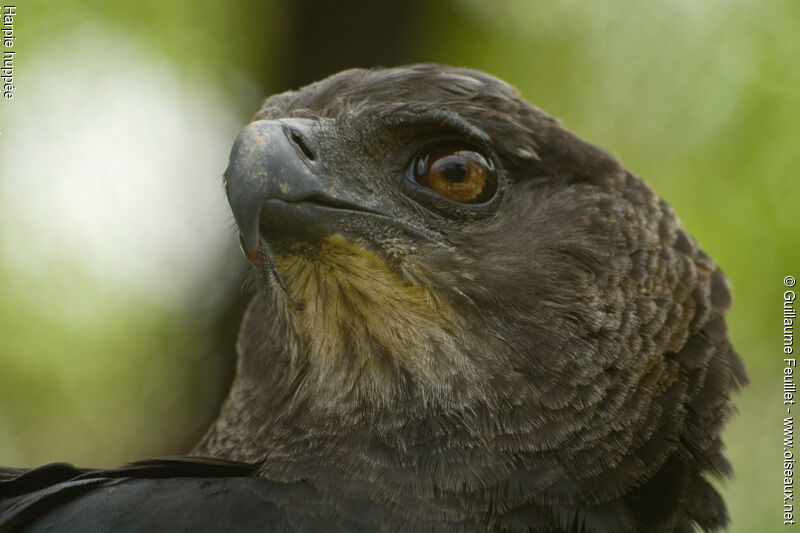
[[456, 171]]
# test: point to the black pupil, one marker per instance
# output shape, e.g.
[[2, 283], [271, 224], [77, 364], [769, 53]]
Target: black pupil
[[455, 171]]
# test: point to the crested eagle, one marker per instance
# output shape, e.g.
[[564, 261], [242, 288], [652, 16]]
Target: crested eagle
[[464, 318]]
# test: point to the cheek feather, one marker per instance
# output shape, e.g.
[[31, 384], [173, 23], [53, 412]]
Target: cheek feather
[[351, 305]]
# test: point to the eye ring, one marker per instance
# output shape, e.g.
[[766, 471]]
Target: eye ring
[[456, 171]]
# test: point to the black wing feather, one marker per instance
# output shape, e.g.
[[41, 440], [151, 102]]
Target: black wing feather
[[174, 494]]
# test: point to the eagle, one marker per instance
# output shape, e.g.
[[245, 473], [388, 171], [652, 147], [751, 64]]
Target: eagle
[[463, 318]]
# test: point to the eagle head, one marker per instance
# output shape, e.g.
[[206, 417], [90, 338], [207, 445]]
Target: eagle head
[[459, 299]]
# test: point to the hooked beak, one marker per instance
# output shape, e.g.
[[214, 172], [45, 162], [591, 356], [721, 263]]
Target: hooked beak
[[271, 160], [279, 192]]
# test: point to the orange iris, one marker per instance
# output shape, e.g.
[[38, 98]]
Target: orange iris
[[456, 173]]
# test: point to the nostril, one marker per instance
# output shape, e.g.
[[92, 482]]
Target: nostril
[[300, 141]]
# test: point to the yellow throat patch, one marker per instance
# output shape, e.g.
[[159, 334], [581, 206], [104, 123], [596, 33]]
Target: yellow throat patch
[[348, 301]]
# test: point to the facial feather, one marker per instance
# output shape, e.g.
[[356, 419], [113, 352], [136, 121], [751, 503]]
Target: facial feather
[[352, 311]]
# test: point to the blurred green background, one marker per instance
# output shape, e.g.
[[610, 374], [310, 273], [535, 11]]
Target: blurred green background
[[119, 274]]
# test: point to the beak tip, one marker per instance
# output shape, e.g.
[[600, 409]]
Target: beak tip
[[250, 250]]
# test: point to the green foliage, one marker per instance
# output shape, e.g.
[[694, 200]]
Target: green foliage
[[98, 376]]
